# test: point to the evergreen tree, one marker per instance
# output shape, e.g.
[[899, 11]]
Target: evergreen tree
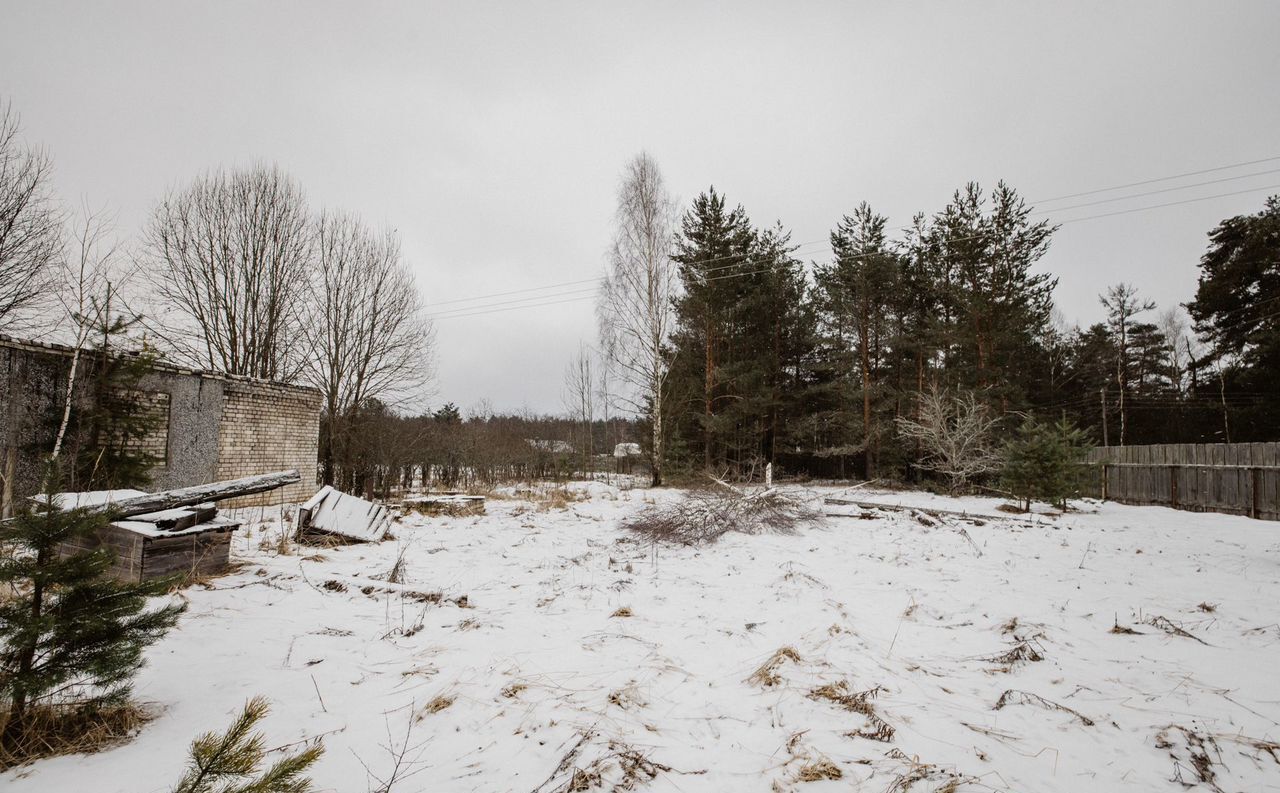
[[71, 636], [713, 253], [1043, 462], [993, 307], [859, 293], [232, 762], [1237, 311]]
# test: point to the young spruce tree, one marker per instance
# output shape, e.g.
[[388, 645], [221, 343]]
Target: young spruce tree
[[70, 638]]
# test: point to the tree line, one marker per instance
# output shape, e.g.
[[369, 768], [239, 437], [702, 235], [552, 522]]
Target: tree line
[[736, 354]]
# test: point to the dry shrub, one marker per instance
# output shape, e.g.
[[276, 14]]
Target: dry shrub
[[766, 676], [704, 516], [54, 730], [1014, 697]]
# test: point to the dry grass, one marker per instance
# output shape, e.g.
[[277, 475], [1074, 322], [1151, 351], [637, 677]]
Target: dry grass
[[1168, 626], [625, 611], [627, 697], [51, 731], [818, 770], [1014, 697], [436, 704], [1023, 651], [839, 693], [514, 690], [766, 676], [704, 516], [1122, 630]]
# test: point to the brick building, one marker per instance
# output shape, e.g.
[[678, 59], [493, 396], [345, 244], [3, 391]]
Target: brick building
[[210, 426]]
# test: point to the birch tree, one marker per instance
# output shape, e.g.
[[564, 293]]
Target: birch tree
[[30, 225], [635, 303], [366, 336], [231, 254]]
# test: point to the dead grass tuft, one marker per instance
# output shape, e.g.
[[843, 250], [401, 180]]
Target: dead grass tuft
[[625, 611], [1169, 627], [1123, 630], [1015, 697], [435, 705], [1208, 608], [1023, 651], [839, 693], [766, 676], [512, 691], [818, 770], [55, 730]]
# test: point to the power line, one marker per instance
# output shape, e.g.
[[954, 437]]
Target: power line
[[1157, 192], [1156, 180]]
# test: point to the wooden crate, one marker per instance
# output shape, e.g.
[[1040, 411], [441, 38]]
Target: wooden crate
[[145, 555]]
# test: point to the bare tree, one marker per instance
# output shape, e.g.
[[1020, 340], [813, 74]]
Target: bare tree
[[365, 333], [86, 293], [635, 304], [956, 433], [1122, 304], [231, 255], [31, 220], [579, 401]]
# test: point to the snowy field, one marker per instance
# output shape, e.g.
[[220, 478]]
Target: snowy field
[[543, 649]]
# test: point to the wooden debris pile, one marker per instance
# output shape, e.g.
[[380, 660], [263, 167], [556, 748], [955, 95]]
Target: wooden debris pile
[[170, 533], [449, 503]]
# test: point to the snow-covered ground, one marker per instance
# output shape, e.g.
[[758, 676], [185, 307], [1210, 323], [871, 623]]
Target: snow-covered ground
[[501, 663]]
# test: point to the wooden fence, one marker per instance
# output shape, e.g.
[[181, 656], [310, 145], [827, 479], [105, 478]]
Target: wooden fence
[[1235, 478]]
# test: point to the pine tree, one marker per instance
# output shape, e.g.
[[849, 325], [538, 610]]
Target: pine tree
[[858, 292], [71, 636], [231, 762], [714, 255]]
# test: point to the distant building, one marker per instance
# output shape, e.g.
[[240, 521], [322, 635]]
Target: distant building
[[210, 426]]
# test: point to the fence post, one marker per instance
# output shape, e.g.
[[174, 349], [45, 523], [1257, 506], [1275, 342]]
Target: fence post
[[1253, 491], [1173, 486], [1104, 481]]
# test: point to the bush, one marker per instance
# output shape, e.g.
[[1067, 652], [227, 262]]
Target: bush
[[1043, 462]]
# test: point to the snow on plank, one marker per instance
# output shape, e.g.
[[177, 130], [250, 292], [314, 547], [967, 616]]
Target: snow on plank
[[330, 511]]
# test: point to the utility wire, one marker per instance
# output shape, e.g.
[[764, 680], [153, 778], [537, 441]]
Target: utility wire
[[1155, 181]]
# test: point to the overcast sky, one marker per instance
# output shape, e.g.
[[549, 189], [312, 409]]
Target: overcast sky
[[492, 135]]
